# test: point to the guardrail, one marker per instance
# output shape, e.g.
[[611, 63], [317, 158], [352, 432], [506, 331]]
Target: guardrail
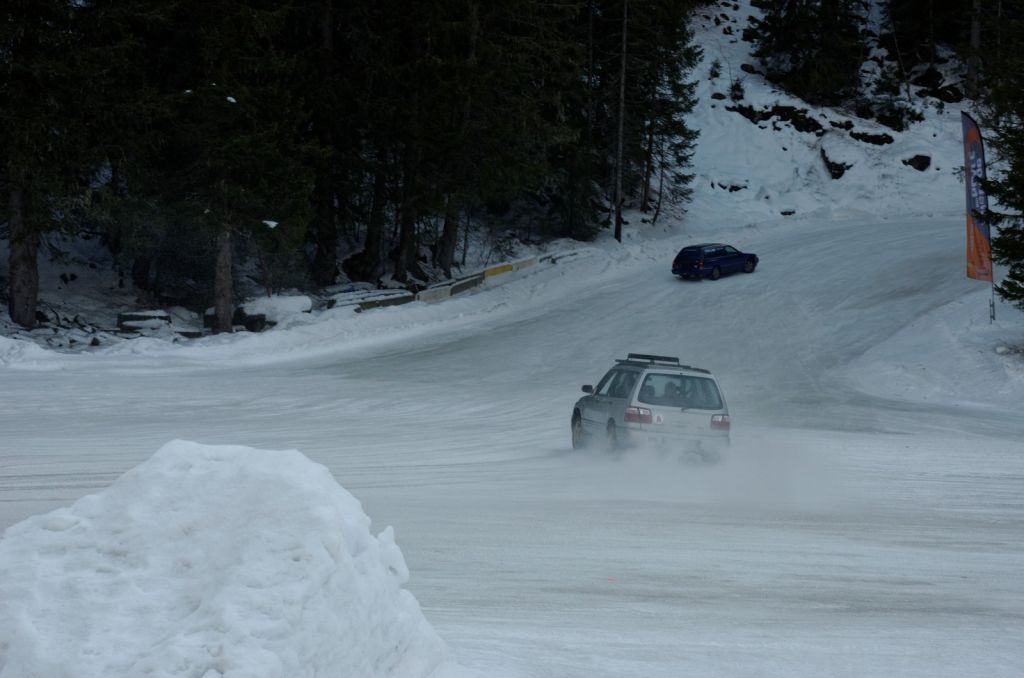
[[367, 299]]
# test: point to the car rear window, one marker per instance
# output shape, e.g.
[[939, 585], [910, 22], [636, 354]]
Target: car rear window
[[689, 253], [680, 390]]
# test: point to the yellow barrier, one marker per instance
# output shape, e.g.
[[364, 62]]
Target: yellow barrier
[[497, 270]]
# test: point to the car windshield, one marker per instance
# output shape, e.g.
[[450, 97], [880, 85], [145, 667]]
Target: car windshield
[[680, 390]]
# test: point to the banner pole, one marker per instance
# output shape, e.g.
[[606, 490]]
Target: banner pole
[[992, 302]]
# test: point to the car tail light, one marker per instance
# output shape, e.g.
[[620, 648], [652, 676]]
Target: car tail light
[[638, 415], [699, 264], [720, 422]]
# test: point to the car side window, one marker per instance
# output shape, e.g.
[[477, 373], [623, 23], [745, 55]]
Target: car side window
[[617, 384], [625, 385], [729, 249], [605, 383]]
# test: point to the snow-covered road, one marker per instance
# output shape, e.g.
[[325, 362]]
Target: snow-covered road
[[869, 520]]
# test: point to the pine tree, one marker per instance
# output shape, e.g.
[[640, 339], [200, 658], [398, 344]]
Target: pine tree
[[41, 135], [1003, 121], [222, 151], [812, 47]]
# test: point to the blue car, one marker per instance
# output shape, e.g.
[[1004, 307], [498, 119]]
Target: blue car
[[712, 260]]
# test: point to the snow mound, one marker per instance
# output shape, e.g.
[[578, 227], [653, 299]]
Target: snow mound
[[210, 561], [279, 307], [22, 353]]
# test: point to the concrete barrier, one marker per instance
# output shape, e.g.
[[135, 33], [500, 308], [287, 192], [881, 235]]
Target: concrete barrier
[[469, 282], [364, 299], [434, 293], [390, 300]]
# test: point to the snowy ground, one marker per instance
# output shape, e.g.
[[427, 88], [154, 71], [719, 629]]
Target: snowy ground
[[869, 520], [865, 523]]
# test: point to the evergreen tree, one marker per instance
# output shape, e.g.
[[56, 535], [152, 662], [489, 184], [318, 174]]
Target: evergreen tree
[[812, 47], [1003, 120], [222, 150], [41, 151]]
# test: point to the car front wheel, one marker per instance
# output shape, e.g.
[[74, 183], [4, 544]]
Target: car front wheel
[[749, 266], [579, 440]]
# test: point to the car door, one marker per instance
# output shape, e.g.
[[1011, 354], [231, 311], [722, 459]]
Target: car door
[[712, 258], [607, 396], [732, 259], [595, 406]]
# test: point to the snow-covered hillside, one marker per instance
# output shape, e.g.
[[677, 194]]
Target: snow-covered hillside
[[755, 170]]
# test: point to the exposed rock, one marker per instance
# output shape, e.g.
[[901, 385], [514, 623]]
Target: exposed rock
[[717, 96], [835, 169], [797, 117], [931, 79], [845, 124], [876, 139], [256, 322], [919, 162], [949, 94], [747, 68]]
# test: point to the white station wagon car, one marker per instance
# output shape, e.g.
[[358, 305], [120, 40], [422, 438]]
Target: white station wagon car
[[653, 400]]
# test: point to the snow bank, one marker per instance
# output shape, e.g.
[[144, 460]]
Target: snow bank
[[21, 353], [279, 307], [210, 561]]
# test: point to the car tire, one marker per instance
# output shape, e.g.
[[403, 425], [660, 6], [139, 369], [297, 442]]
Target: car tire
[[716, 273], [579, 436], [611, 437], [749, 266]]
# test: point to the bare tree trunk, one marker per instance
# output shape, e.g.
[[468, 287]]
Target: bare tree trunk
[[449, 238], [931, 33], [661, 187], [23, 265], [325, 261], [973, 60], [622, 115], [223, 284], [446, 244], [406, 259], [372, 253], [645, 195]]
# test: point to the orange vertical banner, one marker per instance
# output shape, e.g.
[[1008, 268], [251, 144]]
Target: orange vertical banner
[[979, 244]]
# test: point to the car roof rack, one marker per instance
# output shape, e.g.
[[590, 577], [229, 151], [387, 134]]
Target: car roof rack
[[648, 358], [644, 359]]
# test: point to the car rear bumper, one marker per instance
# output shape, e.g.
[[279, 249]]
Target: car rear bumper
[[690, 272], [650, 437]]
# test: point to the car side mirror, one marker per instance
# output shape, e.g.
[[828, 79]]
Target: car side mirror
[[588, 389]]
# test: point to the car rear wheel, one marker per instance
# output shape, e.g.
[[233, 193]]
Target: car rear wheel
[[579, 439], [749, 266], [716, 273], [611, 437]]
